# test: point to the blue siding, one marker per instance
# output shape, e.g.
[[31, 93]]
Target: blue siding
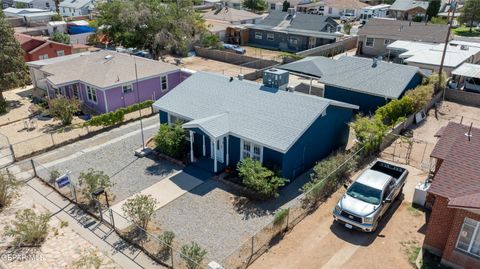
[[273, 159], [163, 117], [319, 140], [281, 41], [234, 153], [367, 103], [414, 82]]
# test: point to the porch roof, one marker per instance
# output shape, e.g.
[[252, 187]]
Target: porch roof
[[215, 126], [468, 70]]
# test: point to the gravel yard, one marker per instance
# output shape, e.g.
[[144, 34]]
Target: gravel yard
[[217, 218]]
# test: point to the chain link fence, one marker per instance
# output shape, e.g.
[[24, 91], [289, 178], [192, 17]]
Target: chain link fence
[[6, 152], [45, 142]]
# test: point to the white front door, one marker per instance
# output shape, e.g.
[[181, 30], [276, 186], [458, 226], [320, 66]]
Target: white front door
[[219, 150]]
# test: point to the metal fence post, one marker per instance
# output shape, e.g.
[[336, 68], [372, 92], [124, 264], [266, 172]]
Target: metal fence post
[[34, 168], [13, 153], [53, 142]]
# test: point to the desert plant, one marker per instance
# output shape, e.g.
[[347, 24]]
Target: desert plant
[[259, 178], [420, 96], [369, 132], [8, 188], [28, 228], [171, 140], [166, 239], [193, 255], [57, 17], [280, 216], [63, 109], [91, 181], [54, 174], [88, 259], [140, 209]]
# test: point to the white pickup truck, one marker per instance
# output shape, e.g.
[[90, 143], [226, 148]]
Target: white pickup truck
[[369, 197]]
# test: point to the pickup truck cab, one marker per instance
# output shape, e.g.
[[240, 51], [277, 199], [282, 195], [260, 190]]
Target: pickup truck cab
[[369, 197]]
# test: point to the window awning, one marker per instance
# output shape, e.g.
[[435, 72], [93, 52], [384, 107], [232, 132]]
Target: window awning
[[468, 70]]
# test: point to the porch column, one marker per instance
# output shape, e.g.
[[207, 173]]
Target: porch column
[[227, 151], [214, 155], [203, 146], [310, 89], [191, 146]]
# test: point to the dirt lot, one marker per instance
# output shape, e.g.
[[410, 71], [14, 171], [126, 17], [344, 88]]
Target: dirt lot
[[262, 53], [19, 103], [203, 64]]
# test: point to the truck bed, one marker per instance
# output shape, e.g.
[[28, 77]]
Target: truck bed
[[389, 169]]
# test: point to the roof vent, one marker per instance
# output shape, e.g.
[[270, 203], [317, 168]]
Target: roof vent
[[231, 79], [464, 47], [240, 76], [108, 57]]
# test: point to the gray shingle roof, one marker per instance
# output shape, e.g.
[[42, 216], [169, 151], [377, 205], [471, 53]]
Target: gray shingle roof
[[101, 72], [230, 15], [75, 3], [357, 74], [404, 30], [404, 5], [301, 23], [249, 110]]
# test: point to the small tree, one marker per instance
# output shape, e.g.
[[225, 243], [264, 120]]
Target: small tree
[[171, 140], [89, 259], [28, 228], [8, 188], [63, 109], [285, 6], [193, 255], [57, 17], [433, 8], [140, 209], [369, 132], [61, 38], [166, 239], [259, 178], [347, 28], [91, 181], [255, 5], [210, 40], [470, 13]]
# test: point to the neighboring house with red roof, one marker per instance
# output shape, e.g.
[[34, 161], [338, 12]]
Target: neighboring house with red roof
[[453, 228], [39, 49]]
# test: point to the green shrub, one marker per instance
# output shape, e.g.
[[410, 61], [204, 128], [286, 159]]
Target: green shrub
[[140, 209], [259, 178], [420, 96], [28, 228], [8, 188], [61, 38], [171, 140], [280, 216], [91, 181], [327, 175], [396, 110], [369, 132], [117, 116], [193, 255], [63, 109], [57, 17], [210, 40], [166, 239]]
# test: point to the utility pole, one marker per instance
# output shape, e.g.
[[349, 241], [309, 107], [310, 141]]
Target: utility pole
[[138, 101], [453, 4]]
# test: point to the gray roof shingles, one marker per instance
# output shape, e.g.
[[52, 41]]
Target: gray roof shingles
[[274, 118], [357, 74]]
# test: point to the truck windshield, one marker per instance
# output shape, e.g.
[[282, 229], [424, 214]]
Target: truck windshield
[[365, 193]]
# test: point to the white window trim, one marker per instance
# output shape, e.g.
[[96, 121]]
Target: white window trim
[[60, 53], [386, 42], [252, 146], [124, 85], [87, 87], [271, 39], [366, 42], [258, 35], [161, 84], [475, 233]]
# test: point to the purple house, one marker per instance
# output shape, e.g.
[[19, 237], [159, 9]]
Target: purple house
[[105, 81]]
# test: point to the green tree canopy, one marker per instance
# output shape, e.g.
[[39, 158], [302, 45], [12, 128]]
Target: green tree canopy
[[255, 5], [285, 5], [60, 38], [470, 13], [153, 25], [433, 9], [13, 70]]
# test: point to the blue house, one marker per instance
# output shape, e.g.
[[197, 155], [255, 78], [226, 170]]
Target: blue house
[[368, 83], [229, 119], [293, 32]]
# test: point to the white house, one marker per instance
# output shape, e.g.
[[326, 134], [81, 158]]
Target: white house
[[29, 15], [333, 8], [72, 8], [378, 11], [40, 4]]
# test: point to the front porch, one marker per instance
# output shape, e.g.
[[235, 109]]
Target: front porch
[[209, 152]]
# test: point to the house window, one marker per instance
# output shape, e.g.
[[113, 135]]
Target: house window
[[370, 42], [43, 57], [258, 35], [293, 41], [127, 88], [243, 22], [387, 42], [47, 4], [251, 150], [329, 10], [60, 53], [164, 83], [270, 37], [91, 94], [272, 6], [469, 237], [58, 91], [63, 9], [75, 92]]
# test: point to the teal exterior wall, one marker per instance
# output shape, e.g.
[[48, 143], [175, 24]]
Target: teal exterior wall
[[325, 135], [163, 117], [367, 103]]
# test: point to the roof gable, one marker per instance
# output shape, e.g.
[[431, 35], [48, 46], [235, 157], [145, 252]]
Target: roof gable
[[244, 108], [404, 5]]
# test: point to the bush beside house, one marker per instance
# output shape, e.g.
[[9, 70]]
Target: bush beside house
[[171, 140]]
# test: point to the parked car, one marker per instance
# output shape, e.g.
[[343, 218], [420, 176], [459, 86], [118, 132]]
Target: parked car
[[235, 48], [369, 197], [348, 17]]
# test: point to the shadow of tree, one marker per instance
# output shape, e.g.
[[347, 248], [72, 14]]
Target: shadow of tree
[[252, 209]]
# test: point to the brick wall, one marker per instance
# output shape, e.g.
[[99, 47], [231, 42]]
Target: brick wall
[[457, 258], [438, 227]]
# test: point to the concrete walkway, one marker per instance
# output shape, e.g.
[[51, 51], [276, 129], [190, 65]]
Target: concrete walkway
[[164, 192]]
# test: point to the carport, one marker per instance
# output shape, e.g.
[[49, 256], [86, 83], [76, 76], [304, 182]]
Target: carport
[[466, 77]]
